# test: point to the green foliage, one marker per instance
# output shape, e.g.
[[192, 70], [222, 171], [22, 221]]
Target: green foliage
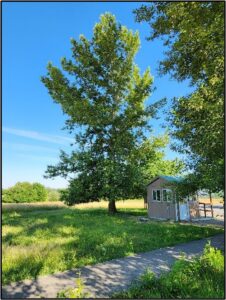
[[201, 278], [198, 124], [53, 194], [193, 35], [146, 162], [77, 292], [25, 192], [151, 162], [104, 99], [80, 190], [43, 241]]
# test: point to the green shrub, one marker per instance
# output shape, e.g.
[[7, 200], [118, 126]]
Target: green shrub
[[6, 196], [25, 192], [53, 195], [201, 278]]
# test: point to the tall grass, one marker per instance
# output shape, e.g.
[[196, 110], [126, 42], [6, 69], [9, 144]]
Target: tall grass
[[7, 207], [43, 241]]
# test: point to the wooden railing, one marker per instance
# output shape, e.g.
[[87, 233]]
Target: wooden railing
[[207, 207]]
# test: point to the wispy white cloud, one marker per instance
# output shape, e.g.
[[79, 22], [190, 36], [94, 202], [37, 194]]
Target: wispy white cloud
[[56, 139], [40, 158], [28, 148]]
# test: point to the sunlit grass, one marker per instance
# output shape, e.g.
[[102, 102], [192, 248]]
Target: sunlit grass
[[42, 241]]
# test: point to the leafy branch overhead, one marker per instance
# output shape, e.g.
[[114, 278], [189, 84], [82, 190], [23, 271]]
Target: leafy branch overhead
[[193, 37]]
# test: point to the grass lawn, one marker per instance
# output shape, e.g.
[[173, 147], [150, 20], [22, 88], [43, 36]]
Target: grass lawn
[[43, 239]]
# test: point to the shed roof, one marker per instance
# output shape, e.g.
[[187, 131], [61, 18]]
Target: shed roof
[[173, 179]]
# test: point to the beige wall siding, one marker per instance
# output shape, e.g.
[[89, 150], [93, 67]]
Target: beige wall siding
[[165, 210], [159, 183], [160, 209]]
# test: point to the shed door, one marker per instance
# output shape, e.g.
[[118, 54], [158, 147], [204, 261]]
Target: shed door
[[184, 211]]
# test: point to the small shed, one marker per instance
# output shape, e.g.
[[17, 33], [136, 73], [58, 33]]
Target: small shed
[[163, 204]]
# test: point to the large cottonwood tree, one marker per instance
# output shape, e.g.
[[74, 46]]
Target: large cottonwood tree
[[193, 37], [103, 93]]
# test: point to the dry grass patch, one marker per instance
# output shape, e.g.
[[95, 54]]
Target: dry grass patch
[[130, 203], [214, 200]]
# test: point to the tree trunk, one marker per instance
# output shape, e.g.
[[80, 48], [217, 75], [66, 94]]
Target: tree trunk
[[145, 202], [111, 207], [211, 203]]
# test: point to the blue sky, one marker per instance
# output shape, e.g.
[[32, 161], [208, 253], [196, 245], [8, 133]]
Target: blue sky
[[33, 35]]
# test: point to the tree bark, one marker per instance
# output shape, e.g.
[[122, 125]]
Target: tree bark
[[111, 207], [145, 202], [211, 203]]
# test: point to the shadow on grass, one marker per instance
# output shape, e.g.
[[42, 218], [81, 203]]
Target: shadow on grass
[[132, 212]]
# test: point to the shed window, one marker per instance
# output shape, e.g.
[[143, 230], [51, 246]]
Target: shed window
[[167, 195], [156, 195]]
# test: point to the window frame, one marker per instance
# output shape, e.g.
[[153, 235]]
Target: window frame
[[160, 194], [167, 199]]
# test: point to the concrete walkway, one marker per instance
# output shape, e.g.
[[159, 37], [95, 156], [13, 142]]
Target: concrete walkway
[[216, 222], [103, 279]]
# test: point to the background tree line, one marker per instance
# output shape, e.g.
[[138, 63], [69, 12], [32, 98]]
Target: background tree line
[[25, 192]]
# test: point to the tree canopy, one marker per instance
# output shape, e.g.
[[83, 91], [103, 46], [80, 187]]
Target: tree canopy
[[106, 98], [193, 36]]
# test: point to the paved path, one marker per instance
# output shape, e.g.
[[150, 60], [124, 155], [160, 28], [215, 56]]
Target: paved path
[[103, 279], [216, 222]]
